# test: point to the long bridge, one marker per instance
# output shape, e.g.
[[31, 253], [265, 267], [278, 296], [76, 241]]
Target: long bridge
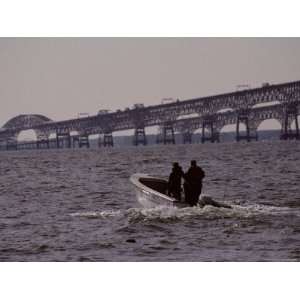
[[249, 107]]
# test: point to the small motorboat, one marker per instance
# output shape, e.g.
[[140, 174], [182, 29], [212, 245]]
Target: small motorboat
[[153, 191]]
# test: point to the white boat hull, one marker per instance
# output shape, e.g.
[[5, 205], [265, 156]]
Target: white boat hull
[[149, 197], [152, 192]]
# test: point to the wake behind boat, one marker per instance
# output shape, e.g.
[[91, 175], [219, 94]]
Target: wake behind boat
[[153, 191]]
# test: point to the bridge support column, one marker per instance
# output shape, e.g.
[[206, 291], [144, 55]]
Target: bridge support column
[[12, 143], [166, 134], [41, 144], [42, 140], [159, 137], [100, 141], [213, 135], [2, 145], [75, 139], [108, 140], [140, 137], [290, 114], [27, 145], [84, 141], [251, 133], [12, 146], [63, 139], [187, 137], [81, 140]]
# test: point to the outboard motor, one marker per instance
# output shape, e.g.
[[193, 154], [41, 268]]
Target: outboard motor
[[207, 200]]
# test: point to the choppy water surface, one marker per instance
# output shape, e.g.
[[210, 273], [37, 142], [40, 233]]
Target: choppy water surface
[[78, 205]]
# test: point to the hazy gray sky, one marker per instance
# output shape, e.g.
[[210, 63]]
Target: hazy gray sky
[[60, 77]]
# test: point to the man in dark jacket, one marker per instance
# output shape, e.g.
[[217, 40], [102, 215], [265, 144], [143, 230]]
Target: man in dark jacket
[[193, 183], [174, 184]]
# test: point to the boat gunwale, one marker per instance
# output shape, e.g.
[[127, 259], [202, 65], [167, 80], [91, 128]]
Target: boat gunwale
[[135, 180]]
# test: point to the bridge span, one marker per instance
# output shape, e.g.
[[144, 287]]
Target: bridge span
[[249, 107]]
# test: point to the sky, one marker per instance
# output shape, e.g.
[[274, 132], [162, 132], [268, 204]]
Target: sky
[[62, 77]]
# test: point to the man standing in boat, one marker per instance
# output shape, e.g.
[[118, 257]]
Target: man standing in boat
[[193, 183], [174, 184]]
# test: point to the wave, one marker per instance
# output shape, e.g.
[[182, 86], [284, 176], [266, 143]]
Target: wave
[[167, 213], [98, 214]]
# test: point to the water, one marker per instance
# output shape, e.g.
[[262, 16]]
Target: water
[[78, 205]]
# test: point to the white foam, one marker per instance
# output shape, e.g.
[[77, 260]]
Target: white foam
[[173, 213], [97, 214]]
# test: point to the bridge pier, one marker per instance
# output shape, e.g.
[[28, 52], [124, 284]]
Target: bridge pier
[[140, 136], [187, 137], [167, 135], [42, 140], [138, 116], [251, 133], [12, 143], [42, 144], [213, 136], [2, 145], [290, 114], [75, 139], [11, 146], [84, 141], [63, 139], [108, 140], [52, 143], [27, 145], [81, 140]]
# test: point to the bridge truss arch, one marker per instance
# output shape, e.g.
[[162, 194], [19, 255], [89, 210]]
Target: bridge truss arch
[[21, 123], [26, 121]]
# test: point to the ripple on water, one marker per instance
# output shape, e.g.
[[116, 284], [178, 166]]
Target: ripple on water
[[40, 189]]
